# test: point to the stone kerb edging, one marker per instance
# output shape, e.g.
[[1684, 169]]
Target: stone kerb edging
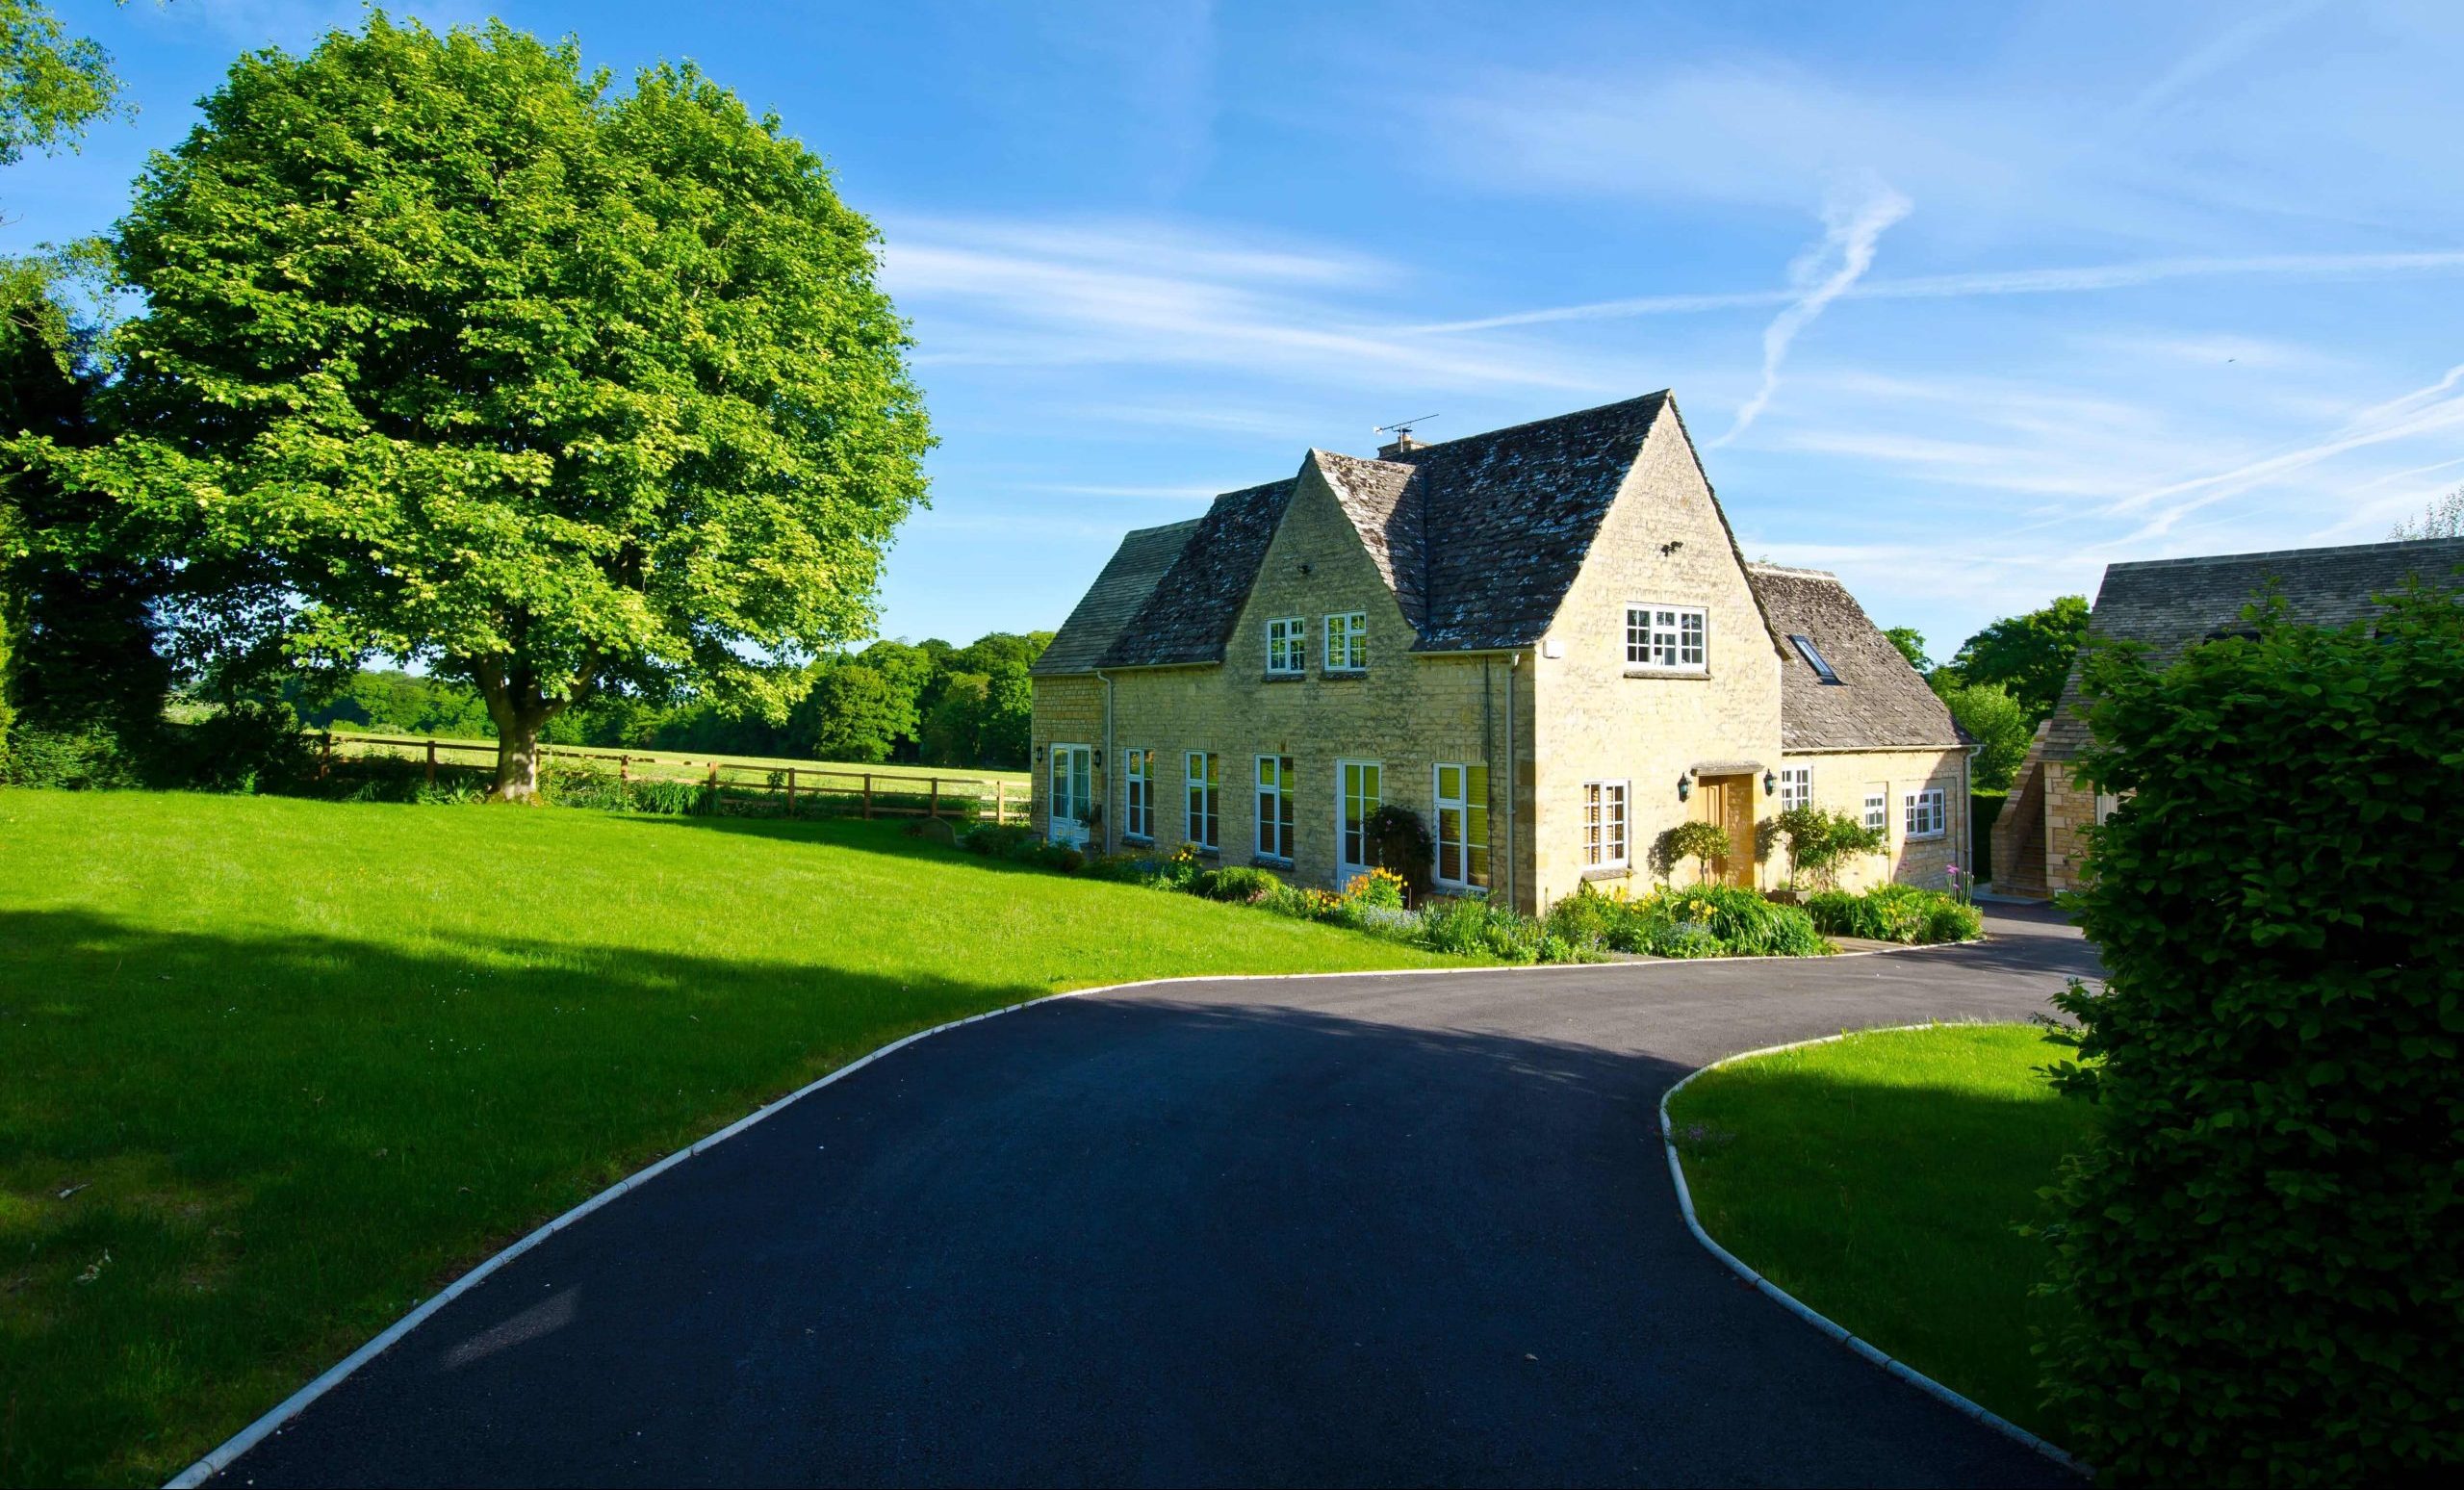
[[230, 1450], [1965, 1406]]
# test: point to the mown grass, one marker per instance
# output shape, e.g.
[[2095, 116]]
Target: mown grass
[[275, 1068], [471, 754], [1881, 1180]]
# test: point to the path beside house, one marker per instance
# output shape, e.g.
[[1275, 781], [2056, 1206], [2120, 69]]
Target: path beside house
[[1378, 1228]]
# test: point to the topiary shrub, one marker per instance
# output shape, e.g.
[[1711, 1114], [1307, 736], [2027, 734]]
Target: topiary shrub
[[1399, 843], [1819, 841], [1693, 839], [2261, 1243]]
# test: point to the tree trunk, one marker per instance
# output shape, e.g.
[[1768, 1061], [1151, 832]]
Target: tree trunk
[[521, 711], [518, 757]]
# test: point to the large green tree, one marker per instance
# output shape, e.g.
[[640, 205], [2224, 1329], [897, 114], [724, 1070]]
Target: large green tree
[[2000, 726], [485, 364], [2029, 655]]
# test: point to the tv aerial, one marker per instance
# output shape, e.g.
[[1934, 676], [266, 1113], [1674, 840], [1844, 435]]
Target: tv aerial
[[1403, 427]]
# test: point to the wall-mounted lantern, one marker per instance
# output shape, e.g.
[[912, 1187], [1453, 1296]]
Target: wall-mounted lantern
[[1684, 784], [1100, 760], [1770, 783], [1039, 753]]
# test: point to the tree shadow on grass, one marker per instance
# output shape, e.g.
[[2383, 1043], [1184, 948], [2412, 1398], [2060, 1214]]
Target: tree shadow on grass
[[227, 1158]]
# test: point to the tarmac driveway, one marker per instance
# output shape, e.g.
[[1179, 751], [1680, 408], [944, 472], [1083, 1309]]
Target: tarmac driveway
[[1410, 1229]]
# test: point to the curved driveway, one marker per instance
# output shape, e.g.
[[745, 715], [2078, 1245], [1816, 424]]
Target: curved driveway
[[1358, 1229]]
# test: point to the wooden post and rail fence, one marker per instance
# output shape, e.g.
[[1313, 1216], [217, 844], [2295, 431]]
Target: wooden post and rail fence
[[788, 789]]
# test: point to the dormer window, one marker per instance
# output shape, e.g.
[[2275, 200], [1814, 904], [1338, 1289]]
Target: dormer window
[[1667, 640], [1286, 646], [1347, 642], [1814, 657]]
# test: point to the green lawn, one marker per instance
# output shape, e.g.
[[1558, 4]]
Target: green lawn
[[275, 1069], [1879, 1179], [680, 764]]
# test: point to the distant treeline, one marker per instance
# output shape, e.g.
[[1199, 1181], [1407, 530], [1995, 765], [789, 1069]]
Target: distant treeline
[[927, 703]]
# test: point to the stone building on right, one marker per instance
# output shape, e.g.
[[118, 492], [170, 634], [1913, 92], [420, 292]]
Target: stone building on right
[[2039, 843]]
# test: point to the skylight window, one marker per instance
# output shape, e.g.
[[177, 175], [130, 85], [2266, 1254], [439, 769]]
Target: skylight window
[[1814, 657]]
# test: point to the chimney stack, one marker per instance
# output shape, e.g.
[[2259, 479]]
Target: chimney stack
[[1402, 441]]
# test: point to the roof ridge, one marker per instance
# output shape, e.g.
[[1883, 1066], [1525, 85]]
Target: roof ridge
[[1528, 424], [1765, 567], [2384, 544]]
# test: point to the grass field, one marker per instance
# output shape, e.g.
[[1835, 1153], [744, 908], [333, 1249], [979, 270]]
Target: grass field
[[680, 764], [277, 1068], [1879, 1179]]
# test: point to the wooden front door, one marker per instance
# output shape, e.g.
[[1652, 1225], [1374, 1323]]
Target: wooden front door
[[1729, 801]]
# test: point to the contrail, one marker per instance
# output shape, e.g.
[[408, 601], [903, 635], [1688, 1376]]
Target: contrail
[[1820, 275]]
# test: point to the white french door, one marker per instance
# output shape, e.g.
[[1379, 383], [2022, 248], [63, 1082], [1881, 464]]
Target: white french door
[[1356, 797], [1073, 793]]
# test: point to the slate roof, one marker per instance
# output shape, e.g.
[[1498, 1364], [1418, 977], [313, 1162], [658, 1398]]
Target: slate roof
[[2170, 603], [1115, 596], [1516, 508], [1383, 503], [1879, 702], [1189, 612]]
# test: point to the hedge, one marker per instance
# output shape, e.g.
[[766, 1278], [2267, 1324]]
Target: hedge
[[2265, 1246]]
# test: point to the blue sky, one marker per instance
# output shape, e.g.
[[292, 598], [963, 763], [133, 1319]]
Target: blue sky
[[1962, 300]]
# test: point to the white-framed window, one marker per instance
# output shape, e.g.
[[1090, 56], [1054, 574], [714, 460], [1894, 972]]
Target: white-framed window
[[1274, 808], [1814, 657], [1604, 825], [1796, 787], [1463, 825], [1138, 803], [1668, 638], [1925, 819], [1198, 770], [1287, 646], [1878, 809], [1347, 642], [1359, 787]]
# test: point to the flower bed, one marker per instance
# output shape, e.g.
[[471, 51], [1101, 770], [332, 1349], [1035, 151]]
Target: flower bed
[[1896, 912], [1700, 921]]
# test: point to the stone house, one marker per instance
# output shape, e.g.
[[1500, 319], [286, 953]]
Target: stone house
[[1541, 640], [2039, 841]]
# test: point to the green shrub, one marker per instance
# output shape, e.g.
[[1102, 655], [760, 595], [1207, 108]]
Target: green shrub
[[1905, 914], [244, 746], [1591, 921], [584, 783], [996, 840], [1693, 839], [2261, 1245], [1819, 841], [1398, 842], [90, 757], [673, 799], [1238, 882], [1474, 928]]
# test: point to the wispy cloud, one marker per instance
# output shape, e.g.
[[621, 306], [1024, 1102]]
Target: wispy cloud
[[2060, 280], [2434, 409], [999, 292], [1853, 226]]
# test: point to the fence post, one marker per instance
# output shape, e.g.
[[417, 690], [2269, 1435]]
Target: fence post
[[791, 791], [625, 770], [933, 807], [431, 762], [868, 796], [325, 761], [1000, 801]]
